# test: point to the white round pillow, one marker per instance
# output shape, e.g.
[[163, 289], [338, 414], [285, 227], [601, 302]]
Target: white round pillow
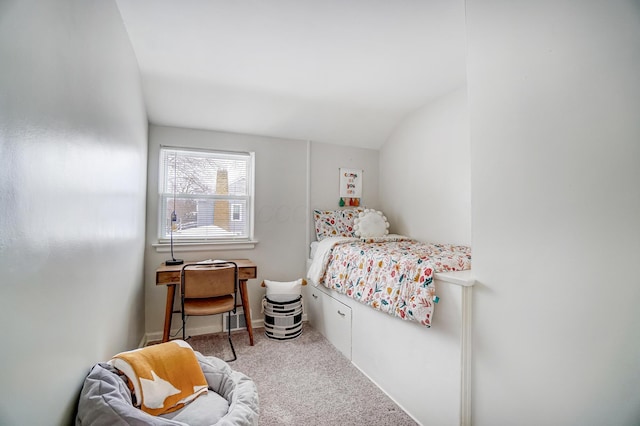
[[370, 224]]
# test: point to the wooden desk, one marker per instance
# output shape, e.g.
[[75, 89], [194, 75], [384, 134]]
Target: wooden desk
[[170, 276]]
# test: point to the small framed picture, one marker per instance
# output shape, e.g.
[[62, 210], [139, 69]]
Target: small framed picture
[[350, 183]]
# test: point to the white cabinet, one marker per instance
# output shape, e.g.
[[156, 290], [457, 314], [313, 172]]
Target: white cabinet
[[439, 355], [337, 321], [330, 317], [313, 300]]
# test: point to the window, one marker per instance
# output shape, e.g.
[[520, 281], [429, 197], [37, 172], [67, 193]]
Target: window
[[205, 196], [236, 212]]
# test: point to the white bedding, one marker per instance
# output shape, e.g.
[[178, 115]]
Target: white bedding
[[312, 250], [320, 256]]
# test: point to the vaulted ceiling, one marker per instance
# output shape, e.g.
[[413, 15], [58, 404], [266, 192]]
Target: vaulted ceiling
[[336, 71]]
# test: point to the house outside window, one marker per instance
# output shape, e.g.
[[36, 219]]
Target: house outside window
[[236, 212], [205, 195]]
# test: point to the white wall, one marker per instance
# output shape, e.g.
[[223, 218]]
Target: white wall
[[425, 187], [72, 199], [554, 101], [325, 162], [280, 222], [282, 169]]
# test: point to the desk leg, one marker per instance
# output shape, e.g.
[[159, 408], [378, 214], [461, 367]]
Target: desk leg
[[247, 309], [168, 311]]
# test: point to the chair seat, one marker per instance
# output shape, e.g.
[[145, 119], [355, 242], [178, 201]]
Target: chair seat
[[209, 306]]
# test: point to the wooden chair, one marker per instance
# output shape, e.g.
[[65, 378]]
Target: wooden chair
[[208, 289]]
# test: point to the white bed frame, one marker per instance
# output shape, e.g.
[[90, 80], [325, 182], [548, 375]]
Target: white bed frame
[[426, 371]]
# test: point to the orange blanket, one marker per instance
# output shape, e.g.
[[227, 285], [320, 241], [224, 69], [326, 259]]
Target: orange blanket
[[165, 377]]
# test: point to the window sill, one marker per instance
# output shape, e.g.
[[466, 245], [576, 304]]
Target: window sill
[[204, 246]]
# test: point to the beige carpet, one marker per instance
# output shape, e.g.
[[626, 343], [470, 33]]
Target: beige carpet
[[305, 381]]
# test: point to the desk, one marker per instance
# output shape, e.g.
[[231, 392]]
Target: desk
[[170, 276]]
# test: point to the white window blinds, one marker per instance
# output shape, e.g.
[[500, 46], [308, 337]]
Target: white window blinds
[[205, 195]]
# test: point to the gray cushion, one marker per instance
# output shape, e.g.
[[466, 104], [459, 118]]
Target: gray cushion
[[232, 400], [201, 411]]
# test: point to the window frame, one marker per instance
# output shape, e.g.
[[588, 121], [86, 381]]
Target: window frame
[[167, 194]]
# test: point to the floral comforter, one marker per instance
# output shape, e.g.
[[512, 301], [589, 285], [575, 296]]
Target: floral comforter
[[393, 275]]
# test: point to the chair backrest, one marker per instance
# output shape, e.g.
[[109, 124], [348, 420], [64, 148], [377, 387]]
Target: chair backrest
[[202, 280]]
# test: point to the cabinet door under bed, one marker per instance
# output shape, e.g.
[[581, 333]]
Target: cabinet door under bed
[[330, 317]]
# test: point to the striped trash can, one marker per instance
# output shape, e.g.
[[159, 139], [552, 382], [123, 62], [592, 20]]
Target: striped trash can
[[282, 316]]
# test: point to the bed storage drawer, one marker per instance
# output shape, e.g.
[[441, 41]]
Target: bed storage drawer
[[337, 318], [313, 300], [330, 317]]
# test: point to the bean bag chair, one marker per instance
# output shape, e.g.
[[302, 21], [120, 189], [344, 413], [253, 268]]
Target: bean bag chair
[[231, 399]]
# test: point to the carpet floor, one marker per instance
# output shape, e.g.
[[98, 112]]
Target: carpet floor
[[305, 381]]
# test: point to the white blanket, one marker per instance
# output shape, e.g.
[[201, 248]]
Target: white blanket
[[321, 257]]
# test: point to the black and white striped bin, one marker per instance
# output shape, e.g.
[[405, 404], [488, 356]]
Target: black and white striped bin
[[282, 316]]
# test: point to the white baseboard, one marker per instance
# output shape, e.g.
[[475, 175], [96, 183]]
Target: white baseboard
[[143, 342], [385, 392], [156, 336], [177, 333]]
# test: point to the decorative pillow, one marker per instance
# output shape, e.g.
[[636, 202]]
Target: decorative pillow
[[278, 291], [288, 287], [335, 223], [371, 224]]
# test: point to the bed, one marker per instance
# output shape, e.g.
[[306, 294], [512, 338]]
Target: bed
[[390, 273], [436, 352]]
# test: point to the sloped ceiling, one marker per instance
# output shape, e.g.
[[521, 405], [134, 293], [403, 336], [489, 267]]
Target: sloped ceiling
[[336, 71]]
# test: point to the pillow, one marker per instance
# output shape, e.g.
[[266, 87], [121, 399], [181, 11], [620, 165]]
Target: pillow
[[335, 223], [282, 292], [371, 224]]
